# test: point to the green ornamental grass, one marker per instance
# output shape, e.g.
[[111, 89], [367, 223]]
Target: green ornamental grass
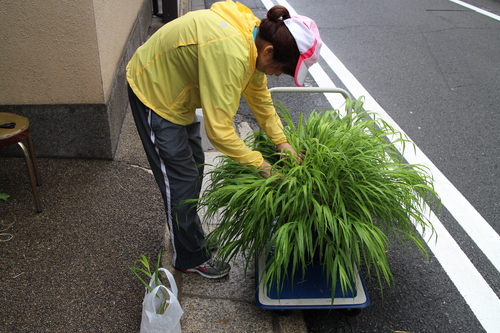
[[335, 209], [142, 269]]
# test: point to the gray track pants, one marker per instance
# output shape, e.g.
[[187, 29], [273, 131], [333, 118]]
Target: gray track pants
[[176, 156]]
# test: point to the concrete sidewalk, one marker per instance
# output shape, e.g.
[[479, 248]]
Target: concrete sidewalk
[[65, 269]]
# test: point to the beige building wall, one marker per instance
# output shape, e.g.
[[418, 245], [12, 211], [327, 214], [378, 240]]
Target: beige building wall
[[62, 52], [62, 65]]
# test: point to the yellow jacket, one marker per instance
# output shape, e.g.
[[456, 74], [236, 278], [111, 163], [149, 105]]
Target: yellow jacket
[[206, 59]]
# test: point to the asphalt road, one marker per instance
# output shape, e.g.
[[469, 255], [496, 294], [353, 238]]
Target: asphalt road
[[433, 68]]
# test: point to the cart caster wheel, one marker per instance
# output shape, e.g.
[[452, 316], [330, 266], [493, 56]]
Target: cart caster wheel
[[352, 312], [283, 313]]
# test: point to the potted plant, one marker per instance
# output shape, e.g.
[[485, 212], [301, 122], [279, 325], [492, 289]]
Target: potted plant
[[336, 209], [152, 276]]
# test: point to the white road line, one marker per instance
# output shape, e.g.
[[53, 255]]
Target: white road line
[[477, 293], [471, 285], [479, 10]]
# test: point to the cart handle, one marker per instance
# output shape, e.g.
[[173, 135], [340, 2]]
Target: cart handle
[[312, 90]]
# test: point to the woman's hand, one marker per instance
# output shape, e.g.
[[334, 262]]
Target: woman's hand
[[286, 146], [266, 168]]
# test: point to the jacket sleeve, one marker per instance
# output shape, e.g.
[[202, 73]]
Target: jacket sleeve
[[222, 72], [259, 99]]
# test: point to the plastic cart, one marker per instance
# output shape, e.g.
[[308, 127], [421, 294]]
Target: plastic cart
[[311, 291]]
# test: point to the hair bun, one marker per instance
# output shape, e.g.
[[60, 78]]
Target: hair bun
[[278, 13]]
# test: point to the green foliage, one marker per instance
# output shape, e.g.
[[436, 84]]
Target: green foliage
[[4, 196], [335, 209], [143, 268]]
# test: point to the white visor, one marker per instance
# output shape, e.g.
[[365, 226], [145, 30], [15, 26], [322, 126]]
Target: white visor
[[306, 35]]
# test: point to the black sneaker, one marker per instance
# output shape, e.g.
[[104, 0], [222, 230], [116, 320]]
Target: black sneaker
[[211, 269]]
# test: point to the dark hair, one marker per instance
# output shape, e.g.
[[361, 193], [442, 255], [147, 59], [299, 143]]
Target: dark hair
[[273, 30]]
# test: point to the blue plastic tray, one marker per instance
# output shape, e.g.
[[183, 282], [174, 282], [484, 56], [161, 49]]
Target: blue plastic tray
[[311, 291]]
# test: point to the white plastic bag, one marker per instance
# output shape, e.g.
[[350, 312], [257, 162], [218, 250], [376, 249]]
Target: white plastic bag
[[168, 322]]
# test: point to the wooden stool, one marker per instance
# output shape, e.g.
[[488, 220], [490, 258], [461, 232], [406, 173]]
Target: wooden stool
[[16, 134]]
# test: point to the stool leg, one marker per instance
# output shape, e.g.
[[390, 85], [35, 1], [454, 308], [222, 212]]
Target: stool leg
[[31, 174], [33, 160]]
